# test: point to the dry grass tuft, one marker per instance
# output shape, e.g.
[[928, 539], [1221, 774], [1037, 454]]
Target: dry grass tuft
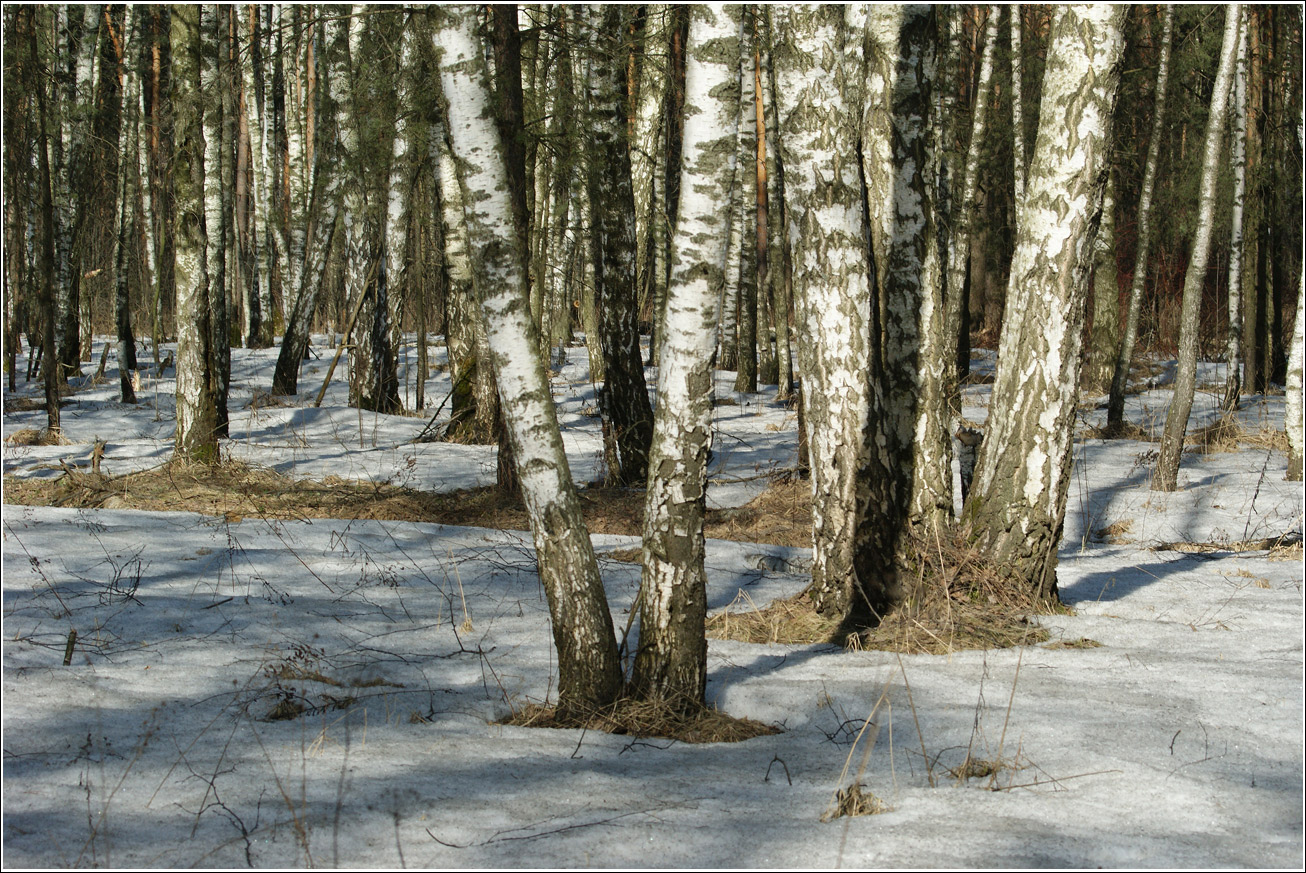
[[978, 768], [1227, 434], [31, 436], [793, 621], [959, 600], [1126, 430], [1283, 547], [1116, 533], [651, 718], [853, 801], [1081, 643], [781, 515]]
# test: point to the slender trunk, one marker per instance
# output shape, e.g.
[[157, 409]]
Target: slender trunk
[[1176, 421], [1104, 335], [964, 209], [1115, 415], [49, 353], [196, 437], [1238, 161]]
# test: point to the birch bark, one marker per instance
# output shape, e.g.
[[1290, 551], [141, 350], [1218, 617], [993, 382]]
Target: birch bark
[[671, 662], [1238, 161], [589, 671], [1017, 506], [1166, 477], [623, 397], [851, 571], [1115, 415]]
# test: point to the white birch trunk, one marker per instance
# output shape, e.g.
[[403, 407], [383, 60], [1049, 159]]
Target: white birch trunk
[[589, 672], [1017, 506], [671, 662], [1238, 162], [1166, 477], [832, 293], [964, 208], [1017, 106], [914, 357], [1120, 378]]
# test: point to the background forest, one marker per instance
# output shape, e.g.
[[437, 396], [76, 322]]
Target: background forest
[[839, 422], [855, 197]]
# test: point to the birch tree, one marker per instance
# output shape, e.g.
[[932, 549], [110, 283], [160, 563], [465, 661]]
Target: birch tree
[[1294, 421], [1016, 508], [196, 437], [1238, 164], [319, 198], [588, 668], [852, 565], [623, 398], [965, 206], [1176, 420], [912, 352], [1115, 414], [671, 662]]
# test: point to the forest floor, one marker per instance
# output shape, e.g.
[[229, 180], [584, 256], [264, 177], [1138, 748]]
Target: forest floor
[[305, 657]]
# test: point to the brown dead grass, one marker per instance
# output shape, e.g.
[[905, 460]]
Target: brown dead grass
[[1228, 434], [1125, 430], [643, 718], [959, 600], [854, 801], [780, 516], [30, 436]]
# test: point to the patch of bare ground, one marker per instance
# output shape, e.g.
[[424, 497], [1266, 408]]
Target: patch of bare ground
[[655, 718]]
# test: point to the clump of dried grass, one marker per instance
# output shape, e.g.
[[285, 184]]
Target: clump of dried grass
[[1125, 430], [781, 515], [793, 621], [31, 436], [1116, 533], [853, 801], [957, 600], [1228, 434], [674, 720]]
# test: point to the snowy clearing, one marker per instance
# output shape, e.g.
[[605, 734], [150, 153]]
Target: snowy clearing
[[1175, 741]]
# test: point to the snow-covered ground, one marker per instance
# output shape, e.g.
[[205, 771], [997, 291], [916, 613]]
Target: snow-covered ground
[[1178, 741]]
